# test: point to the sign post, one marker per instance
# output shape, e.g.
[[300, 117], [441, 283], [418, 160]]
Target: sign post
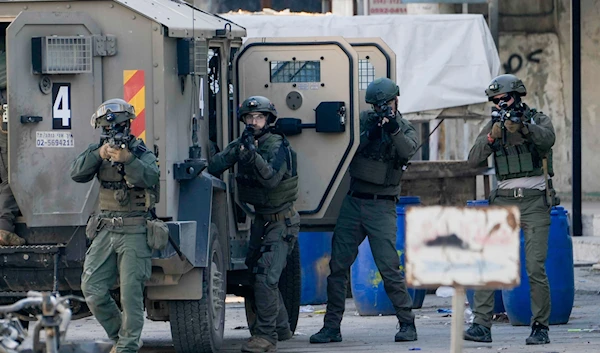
[[460, 247]]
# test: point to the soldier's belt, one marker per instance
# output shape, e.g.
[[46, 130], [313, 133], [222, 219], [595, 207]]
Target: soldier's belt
[[123, 221], [520, 192], [365, 196], [280, 216]]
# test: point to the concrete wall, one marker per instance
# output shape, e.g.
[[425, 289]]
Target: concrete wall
[[590, 61]]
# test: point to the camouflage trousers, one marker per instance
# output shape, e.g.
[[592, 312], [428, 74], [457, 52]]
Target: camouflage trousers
[[124, 253], [358, 219], [535, 222], [270, 245]]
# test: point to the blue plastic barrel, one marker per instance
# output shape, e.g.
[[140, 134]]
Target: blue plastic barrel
[[315, 253], [498, 302], [559, 268], [473, 203], [368, 292]]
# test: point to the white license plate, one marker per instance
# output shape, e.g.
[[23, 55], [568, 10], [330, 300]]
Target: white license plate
[[54, 139]]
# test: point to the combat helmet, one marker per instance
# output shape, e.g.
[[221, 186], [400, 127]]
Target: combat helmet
[[505, 84], [381, 90], [258, 104], [113, 111]]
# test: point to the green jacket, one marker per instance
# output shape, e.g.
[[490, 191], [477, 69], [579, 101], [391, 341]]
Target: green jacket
[[141, 172], [395, 149], [540, 134], [265, 173]]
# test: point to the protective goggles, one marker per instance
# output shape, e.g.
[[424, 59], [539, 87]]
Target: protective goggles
[[504, 98], [105, 109], [254, 116]]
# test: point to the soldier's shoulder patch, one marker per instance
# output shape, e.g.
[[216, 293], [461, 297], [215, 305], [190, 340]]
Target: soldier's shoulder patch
[[139, 147]]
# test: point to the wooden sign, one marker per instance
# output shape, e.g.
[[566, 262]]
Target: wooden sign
[[471, 247]]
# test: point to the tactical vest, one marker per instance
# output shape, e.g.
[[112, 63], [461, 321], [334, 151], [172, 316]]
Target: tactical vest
[[377, 163], [251, 191], [523, 160], [117, 195]]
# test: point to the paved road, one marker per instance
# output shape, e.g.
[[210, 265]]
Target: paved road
[[376, 334]]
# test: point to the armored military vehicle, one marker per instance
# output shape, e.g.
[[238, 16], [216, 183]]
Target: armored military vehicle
[[185, 71]]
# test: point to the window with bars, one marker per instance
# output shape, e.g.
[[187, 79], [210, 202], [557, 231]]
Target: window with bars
[[366, 73], [62, 54], [295, 71]]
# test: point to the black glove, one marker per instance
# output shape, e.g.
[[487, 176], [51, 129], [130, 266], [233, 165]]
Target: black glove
[[245, 156], [391, 126], [248, 140], [374, 133], [251, 258]]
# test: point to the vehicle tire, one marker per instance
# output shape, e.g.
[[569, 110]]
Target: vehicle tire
[[289, 286], [197, 325]]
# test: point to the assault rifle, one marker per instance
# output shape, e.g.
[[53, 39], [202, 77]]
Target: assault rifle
[[385, 111], [503, 115], [116, 138], [248, 138]]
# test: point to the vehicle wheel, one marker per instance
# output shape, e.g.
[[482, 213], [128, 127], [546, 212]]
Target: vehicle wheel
[[289, 286], [197, 325]]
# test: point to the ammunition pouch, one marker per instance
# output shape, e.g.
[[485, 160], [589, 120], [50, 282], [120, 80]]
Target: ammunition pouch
[[93, 227], [157, 234], [374, 171], [252, 192], [519, 161], [125, 199]]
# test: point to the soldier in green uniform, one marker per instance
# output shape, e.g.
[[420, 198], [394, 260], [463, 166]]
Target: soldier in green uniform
[[129, 177], [8, 205], [266, 179], [521, 147], [387, 143]]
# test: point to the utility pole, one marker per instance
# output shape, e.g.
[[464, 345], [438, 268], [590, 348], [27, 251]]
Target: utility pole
[[576, 67], [493, 19]]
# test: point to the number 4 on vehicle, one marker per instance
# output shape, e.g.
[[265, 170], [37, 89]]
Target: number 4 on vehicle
[[61, 106]]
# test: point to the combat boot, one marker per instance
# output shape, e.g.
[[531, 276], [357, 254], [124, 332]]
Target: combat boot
[[326, 335], [407, 332], [284, 335], [478, 333], [539, 334], [114, 347], [257, 344], [10, 239]]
